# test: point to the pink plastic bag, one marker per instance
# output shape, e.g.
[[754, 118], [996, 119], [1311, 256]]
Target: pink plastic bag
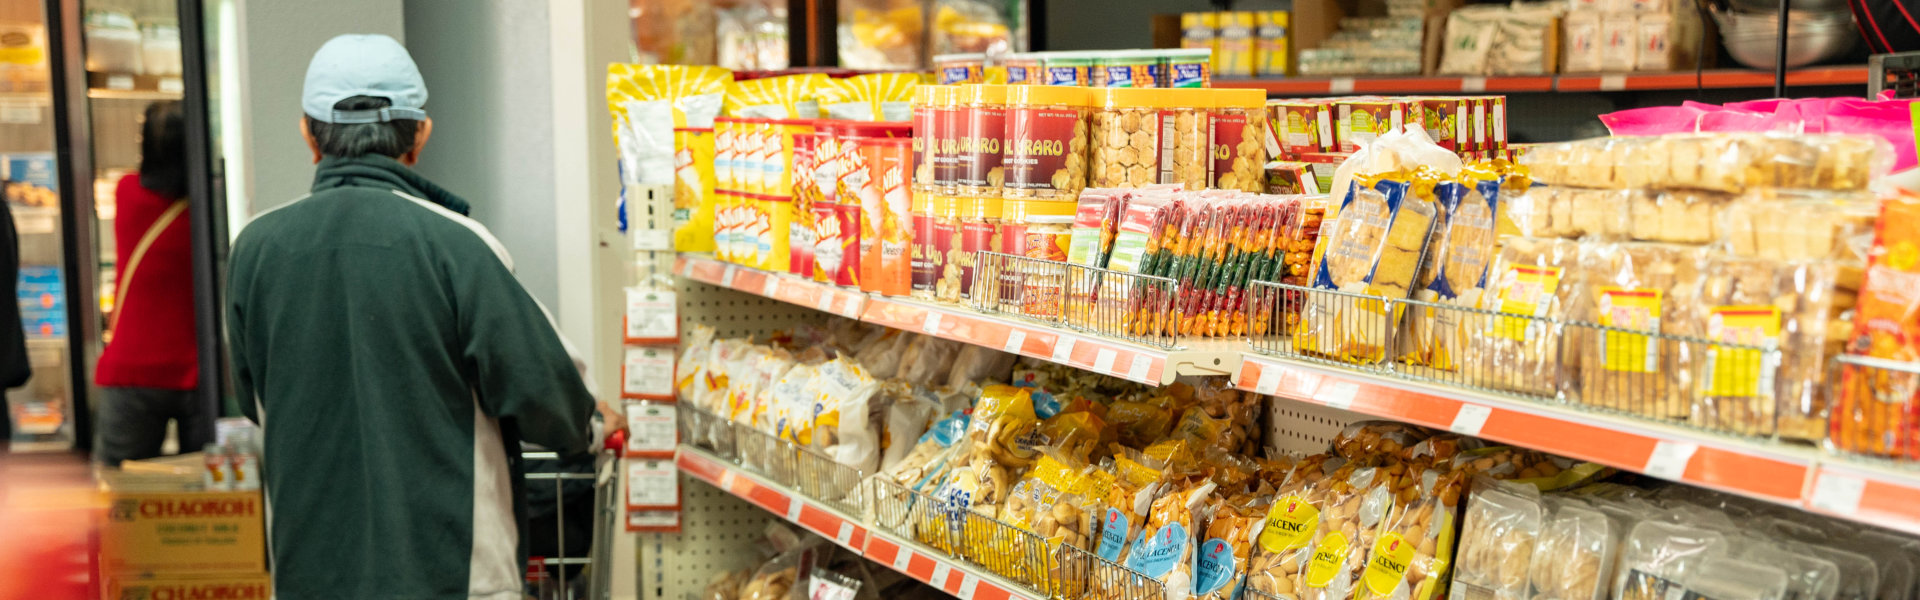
[[1653, 120]]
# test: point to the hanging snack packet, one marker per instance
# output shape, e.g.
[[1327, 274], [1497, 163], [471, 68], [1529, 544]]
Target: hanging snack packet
[[1002, 444], [1137, 481], [846, 414], [1225, 551], [1351, 516], [662, 116], [1164, 550]]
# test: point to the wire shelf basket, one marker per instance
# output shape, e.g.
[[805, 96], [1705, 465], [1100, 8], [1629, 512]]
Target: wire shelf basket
[[1694, 382], [1128, 306], [1874, 413], [705, 430]]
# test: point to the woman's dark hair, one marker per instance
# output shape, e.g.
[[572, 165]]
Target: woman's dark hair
[[390, 139], [163, 150]]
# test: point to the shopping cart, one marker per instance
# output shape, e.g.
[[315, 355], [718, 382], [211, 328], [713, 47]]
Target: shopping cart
[[565, 577]]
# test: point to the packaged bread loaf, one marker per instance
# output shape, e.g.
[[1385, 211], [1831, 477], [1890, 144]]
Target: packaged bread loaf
[[1874, 411], [1635, 287], [1375, 249], [1574, 554], [1496, 543], [1658, 557], [1458, 262], [1797, 225], [1535, 279]]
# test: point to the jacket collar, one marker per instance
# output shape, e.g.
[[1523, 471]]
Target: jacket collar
[[375, 171]]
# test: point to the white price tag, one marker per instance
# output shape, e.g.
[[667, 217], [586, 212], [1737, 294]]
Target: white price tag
[[19, 113], [653, 519], [932, 324], [1141, 364], [1669, 459], [1473, 85], [1340, 85], [726, 277], [1016, 340], [726, 481], [967, 586], [825, 588], [651, 427], [686, 268], [940, 573], [1269, 382], [652, 315], [1338, 395], [648, 372], [1063, 350], [771, 287], [1837, 494], [119, 82], [1613, 83], [651, 240], [652, 483], [845, 536], [793, 508], [902, 558], [1103, 361], [826, 301], [1470, 419], [171, 85]]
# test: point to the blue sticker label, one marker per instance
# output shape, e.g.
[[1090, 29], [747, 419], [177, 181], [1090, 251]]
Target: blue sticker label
[[953, 75], [948, 430], [1156, 554], [1113, 534], [1016, 74], [1188, 75], [1065, 75], [1214, 567], [1119, 76]]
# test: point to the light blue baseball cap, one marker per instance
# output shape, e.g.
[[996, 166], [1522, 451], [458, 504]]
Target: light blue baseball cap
[[360, 64]]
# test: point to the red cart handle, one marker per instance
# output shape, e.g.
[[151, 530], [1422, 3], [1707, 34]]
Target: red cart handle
[[616, 441]]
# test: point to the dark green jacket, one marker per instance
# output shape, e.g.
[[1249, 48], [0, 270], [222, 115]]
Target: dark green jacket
[[378, 336]]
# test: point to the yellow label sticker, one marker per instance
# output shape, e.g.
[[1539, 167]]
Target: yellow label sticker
[[1739, 372], [1329, 558], [1290, 525], [1133, 472], [1387, 566], [1524, 290], [1629, 308]]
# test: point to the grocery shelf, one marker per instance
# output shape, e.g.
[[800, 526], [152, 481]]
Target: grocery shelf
[[1577, 82], [1763, 471], [1867, 493], [912, 559], [1126, 360]]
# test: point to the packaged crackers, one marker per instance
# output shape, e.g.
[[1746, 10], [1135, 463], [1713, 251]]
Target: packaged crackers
[[1375, 249], [1874, 412], [1535, 279], [1637, 287]]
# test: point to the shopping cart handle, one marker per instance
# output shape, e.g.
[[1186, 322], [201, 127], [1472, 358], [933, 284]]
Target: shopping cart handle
[[616, 441]]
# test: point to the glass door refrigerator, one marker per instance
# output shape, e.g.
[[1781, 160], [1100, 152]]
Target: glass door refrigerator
[[73, 96]]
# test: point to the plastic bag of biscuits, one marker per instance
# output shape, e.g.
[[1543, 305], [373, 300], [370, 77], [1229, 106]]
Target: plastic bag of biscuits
[[1366, 439], [1164, 550], [1676, 216], [1797, 225], [1378, 243], [1658, 557], [1358, 502], [1497, 540], [1534, 280], [1413, 553], [1280, 553], [1754, 305], [1574, 554], [1633, 290], [1226, 549]]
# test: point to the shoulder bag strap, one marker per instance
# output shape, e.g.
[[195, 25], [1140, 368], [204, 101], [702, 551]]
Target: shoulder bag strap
[[140, 251]]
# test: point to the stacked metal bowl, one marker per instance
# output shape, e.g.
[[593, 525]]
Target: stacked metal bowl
[[1817, 30]]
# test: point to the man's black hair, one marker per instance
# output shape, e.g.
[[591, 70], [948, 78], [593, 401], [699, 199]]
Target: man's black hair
[[163, 150], [390, 139]]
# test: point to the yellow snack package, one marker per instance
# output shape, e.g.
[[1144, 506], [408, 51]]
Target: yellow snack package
[[784, 97], [663, 126], [871, 97]]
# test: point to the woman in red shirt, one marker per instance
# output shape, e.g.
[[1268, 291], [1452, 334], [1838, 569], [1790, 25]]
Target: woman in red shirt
[[150, 369]]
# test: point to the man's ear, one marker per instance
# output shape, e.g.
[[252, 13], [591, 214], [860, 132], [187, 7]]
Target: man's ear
[[312, 144], [419, 141]]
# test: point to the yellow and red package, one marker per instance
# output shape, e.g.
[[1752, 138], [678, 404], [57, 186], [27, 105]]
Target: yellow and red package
[[1875, 411]]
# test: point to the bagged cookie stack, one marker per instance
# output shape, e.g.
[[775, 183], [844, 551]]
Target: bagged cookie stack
[[1727, 245]]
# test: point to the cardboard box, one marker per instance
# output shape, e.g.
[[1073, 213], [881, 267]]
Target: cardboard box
[[1445, 120], [1358, 121], [1300, 126], [183, 533], [239, 586]]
